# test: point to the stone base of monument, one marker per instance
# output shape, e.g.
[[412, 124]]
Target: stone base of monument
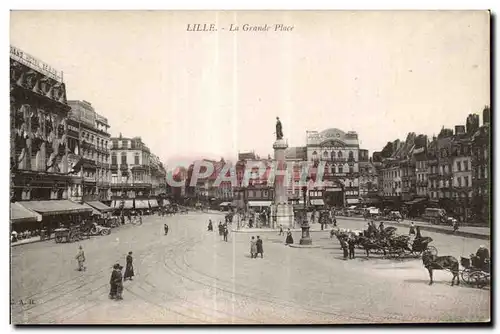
[[284, 216], [304, 246], [306, 237]]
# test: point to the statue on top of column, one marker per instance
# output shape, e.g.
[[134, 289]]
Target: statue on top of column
[[279, 129]]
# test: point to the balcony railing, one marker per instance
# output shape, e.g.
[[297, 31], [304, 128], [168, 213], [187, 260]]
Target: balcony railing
[[130, 185]]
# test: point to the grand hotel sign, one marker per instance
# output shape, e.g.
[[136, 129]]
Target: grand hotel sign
[[37, 65]]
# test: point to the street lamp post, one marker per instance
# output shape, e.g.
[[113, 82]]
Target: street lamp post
[[306, 237]]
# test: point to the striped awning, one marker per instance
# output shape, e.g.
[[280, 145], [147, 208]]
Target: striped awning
[[55, 207], [19, 213]]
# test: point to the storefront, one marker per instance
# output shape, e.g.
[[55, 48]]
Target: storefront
[[58, 213]]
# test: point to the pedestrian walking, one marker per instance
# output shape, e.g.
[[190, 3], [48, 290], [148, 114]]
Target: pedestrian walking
[[129, 269], [80, 257], [260, 248], [281, 230], [253, 248], [112, 281], [226, 232], [289, 238], [165, 228], [119, 283], [352, 246]]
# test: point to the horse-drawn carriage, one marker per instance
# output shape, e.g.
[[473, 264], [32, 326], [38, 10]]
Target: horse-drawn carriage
[[474, 273], [386, 242], [71, 234]]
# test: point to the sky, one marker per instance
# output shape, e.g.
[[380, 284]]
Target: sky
[[192, 94]]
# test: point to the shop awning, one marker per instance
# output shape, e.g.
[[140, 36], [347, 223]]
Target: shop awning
[[352, 200], [94, 211], [99, 206], [127, 204], [317, 201], [415, 201], [141, 204], [19, 213], [259, 203], [56, 207], [224, 204], [153, 203], [370, 200], [166, 202]]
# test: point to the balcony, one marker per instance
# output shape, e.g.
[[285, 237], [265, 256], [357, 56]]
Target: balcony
[[135, 185], [123, 167]]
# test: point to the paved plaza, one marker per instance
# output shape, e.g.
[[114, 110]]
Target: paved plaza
[[191, 276]]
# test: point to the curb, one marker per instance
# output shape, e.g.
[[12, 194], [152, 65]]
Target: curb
[[304, 246], [274, 231]]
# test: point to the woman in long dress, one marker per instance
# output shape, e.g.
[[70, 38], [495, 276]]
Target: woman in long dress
[[129, 269], [253, 248], [289, 238]]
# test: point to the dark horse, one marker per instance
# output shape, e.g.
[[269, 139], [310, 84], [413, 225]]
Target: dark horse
[[371, 244], [434, 262]]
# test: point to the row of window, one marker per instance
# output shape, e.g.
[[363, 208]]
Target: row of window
[[95, 140], [332, 155], [124, 144], [123, 160]]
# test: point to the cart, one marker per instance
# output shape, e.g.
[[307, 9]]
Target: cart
[[68, 235], [473, 275]]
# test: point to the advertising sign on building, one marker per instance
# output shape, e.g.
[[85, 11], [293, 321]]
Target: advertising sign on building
[[35, 64]]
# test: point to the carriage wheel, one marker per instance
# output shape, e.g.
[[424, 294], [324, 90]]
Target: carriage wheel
[[465, 274], [59, 239], [478, 279], [433, 250]]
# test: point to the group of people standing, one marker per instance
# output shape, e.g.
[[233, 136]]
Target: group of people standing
[[116, 280], [223, 229], [256, 247]]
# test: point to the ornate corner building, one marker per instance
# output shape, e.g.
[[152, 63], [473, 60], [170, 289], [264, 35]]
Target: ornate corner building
[[137, 176], [39, 130]]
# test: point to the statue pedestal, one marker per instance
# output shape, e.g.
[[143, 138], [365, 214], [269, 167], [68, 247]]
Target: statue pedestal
[[283, 212], [306, 237], [284, 216]]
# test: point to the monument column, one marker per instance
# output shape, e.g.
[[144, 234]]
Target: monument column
[[283, 211]]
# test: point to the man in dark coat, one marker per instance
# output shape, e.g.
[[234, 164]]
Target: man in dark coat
[[343, 244], [352, 245], [260, 248], [483, 255], [119, 283], [225, 232], [112, 281], [129, 269]]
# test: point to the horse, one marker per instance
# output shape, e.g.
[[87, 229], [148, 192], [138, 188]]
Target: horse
[[434, 262], [369, 244]]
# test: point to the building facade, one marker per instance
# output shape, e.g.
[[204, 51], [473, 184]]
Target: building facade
[[339, 151], [481, 174], [133, 173], [89, 138], [39, 141]]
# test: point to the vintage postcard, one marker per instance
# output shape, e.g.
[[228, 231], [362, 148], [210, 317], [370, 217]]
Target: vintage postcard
[[250, 167]]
